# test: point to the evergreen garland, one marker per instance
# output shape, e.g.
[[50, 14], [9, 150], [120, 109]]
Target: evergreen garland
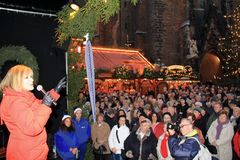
[[123, 72], [151, 74]]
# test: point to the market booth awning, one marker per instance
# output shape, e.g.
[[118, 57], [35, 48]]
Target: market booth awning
[[110, 58]]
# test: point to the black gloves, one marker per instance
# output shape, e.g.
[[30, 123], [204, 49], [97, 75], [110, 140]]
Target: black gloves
[[52, 96], [48, 100], [61, 84]]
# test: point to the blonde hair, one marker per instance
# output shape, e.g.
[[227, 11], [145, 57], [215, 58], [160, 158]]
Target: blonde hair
[[14, 77]]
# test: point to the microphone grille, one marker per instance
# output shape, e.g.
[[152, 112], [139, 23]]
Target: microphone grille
[[39, 87]]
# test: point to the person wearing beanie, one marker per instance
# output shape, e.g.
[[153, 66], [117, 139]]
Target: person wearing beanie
[[65, 140], [83, 132], [199, 121]]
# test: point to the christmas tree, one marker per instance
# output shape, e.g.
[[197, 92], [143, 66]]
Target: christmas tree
[[229, 47]]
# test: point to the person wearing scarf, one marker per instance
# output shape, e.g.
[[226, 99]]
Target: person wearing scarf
[[163, 151], [220, 134]]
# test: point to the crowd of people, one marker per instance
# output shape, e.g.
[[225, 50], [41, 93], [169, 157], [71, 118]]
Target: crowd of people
[[165, 126]]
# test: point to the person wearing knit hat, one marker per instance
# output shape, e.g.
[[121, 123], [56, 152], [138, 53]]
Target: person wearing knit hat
[[83, 132], [200, 121], [197, 113], [198, 104], [76, 110], [198, 109], [65, 139], [66, 116]]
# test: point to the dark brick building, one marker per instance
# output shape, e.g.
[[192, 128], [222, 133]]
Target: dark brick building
[[162, 30]]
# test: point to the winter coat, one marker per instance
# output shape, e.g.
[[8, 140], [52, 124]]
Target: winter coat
[[201, 124], [83, 130], [117, 137], [100, 132], [147, 145], [211, 119], [25, 118], [159, 129], [236, 143], [200, 135], [159, 147], [64, 140], [184, 148], [224, 146]]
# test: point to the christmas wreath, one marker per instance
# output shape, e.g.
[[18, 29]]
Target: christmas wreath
[[21, 55]]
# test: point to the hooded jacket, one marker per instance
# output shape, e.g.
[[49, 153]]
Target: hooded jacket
[[25, 117]]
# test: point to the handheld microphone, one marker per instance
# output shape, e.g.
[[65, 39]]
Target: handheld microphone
[[40, 89]]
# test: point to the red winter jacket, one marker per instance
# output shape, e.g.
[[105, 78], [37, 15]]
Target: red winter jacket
[[25, 118], [236, 143], [159, 129]]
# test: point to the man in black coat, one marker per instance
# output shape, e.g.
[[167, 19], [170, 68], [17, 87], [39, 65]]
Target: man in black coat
[[141, 144]]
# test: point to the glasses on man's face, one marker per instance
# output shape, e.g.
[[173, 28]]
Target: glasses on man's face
[[143, 121], [183, 125]]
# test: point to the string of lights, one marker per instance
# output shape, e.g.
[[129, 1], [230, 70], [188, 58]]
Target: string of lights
[[229, 46]]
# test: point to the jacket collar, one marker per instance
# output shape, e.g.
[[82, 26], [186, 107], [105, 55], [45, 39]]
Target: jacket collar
[[147, 134], [192, 133]]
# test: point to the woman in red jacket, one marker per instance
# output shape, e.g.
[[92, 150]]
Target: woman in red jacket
[[24, 115], [236, 142]]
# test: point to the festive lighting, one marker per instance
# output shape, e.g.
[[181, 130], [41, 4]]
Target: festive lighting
[[74, 5], [228, 46]]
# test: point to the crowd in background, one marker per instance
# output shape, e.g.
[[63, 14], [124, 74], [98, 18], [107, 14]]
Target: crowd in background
[[135, 126]]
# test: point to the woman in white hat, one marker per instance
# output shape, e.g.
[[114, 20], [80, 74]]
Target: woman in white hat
[[83, 132], [66, 140]]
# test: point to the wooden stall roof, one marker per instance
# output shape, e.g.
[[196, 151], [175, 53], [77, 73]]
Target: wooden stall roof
[[110, 58]]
